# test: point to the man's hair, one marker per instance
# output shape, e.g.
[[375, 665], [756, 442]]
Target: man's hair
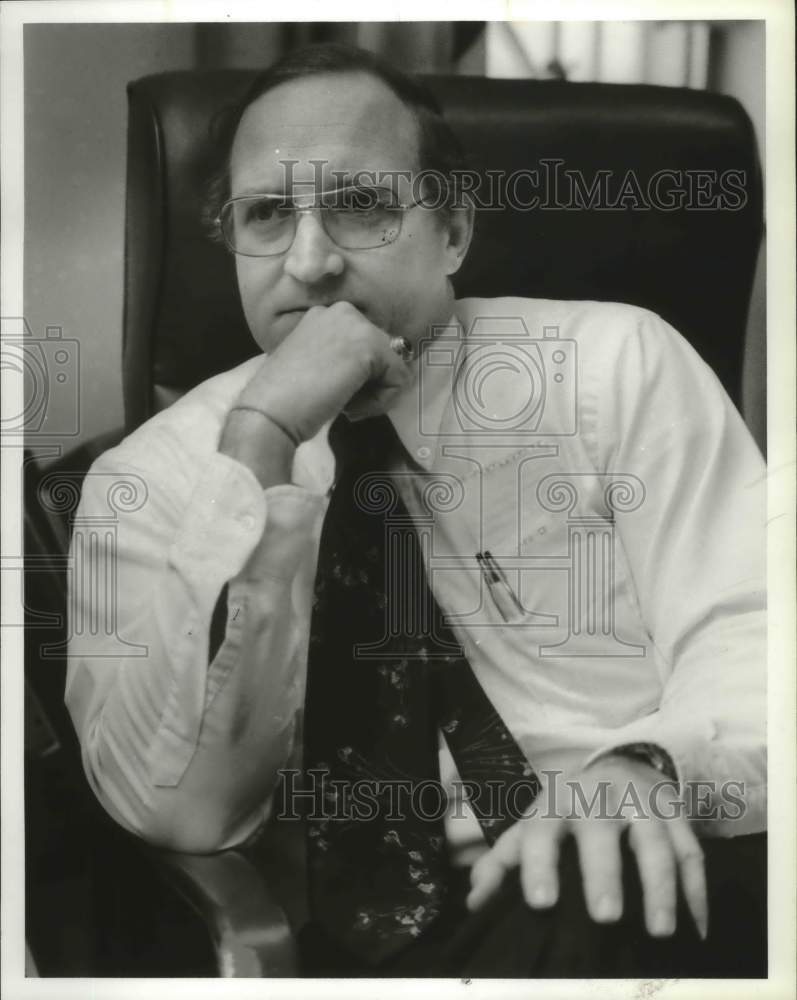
[[439, 150]]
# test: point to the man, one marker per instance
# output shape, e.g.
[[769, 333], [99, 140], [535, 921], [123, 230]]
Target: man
[[344, 275]]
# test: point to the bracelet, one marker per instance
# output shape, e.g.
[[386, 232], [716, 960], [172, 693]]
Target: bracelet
[[256, 409]]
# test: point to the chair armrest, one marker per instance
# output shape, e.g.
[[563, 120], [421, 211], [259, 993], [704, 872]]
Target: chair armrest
[[248, 926]]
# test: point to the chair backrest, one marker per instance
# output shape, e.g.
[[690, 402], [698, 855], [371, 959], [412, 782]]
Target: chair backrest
[[692, 263]]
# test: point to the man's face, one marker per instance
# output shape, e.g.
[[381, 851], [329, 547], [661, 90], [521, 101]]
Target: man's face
[[352, 122]]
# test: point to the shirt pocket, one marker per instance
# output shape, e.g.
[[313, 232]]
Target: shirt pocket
[[577, 634]]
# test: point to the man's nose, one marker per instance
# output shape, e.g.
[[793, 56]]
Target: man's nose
[[312, 256]]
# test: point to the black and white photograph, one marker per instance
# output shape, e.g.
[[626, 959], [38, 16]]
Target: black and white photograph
[[398, 500]]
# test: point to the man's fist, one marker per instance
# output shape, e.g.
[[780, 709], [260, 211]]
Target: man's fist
[[334, 358]]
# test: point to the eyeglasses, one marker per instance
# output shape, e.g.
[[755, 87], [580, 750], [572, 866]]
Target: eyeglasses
[[354, 218]]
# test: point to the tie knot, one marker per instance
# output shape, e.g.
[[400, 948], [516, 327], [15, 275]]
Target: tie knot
[[364, 444]]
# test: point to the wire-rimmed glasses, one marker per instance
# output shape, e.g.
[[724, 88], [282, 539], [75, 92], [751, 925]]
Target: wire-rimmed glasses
[[354, 218]]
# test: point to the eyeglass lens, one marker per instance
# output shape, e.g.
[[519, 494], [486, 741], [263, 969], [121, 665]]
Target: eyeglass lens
[[353, 218]]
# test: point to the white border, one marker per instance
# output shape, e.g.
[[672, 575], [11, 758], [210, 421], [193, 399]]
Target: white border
[[780, 205]]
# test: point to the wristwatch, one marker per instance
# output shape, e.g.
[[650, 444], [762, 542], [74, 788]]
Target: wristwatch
[[646, 753]]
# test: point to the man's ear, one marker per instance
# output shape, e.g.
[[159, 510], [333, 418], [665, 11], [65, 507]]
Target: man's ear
[[459, 232]]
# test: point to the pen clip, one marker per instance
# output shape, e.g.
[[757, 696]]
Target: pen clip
[[488, 572], [498, 576], [504, 599]]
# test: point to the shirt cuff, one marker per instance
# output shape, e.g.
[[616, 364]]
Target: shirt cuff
[[222, 523], [231, 529], [225, 522]]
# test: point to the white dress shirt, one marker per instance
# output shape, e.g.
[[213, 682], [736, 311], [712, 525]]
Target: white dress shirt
[[594, 455]]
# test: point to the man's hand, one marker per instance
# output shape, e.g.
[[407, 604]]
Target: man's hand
[[666, 849], [333, 359]]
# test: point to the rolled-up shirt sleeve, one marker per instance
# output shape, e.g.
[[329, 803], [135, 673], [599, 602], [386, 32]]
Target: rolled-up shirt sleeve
[[181, 747], [696, 551]]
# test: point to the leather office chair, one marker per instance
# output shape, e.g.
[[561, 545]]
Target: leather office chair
[[183, 321]]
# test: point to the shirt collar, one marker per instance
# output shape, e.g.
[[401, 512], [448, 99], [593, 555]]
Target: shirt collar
[[418, 413]]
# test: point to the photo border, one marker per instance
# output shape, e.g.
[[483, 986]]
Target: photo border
[[780, 237]]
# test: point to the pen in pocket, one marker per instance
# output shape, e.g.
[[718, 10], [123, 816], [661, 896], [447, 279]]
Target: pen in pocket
[[504, 598]]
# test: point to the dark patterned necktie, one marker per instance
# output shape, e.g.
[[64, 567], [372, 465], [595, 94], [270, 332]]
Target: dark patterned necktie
[[377, 863]]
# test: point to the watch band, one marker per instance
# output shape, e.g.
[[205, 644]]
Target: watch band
[[647, 753]]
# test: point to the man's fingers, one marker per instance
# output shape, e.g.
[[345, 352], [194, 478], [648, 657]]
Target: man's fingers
[[370, 402], [692, 868], [601, 867], [391, 376], [488, 872], [388, 367], [655, 857], [539, 862]]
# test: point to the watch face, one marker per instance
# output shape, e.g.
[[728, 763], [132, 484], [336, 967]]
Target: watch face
[[649, 753]]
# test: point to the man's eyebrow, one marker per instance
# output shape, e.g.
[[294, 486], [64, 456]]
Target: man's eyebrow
[[250, 190], [342, 178], [339, 179]]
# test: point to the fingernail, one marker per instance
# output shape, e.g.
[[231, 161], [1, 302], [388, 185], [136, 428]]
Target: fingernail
[[607, 908], [542, 895], [662, 923]]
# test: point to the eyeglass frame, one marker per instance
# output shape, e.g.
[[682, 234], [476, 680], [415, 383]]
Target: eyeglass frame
[[297, 210]]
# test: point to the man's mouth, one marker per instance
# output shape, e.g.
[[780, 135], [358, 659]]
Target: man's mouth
[[301, 310]]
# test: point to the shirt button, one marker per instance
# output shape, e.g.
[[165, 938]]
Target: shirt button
[[247, 521], [423, 452]]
